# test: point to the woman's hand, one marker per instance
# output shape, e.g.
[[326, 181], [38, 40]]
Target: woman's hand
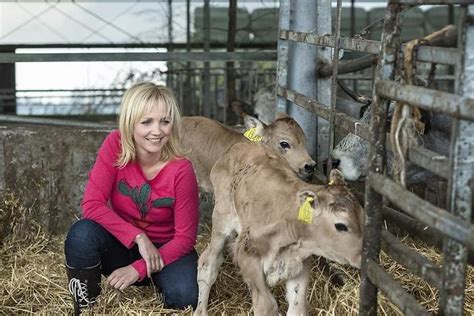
[[121, 278], [149, 253]]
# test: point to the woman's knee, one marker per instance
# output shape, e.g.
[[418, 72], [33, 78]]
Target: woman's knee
[[180, 296], [82, 232], [82, 240]]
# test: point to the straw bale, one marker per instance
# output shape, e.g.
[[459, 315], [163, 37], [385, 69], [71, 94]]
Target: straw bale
[[34, 281]]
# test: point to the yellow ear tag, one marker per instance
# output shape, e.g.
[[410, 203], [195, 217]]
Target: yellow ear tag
[[331, 182], [305, 213], [250, 134]]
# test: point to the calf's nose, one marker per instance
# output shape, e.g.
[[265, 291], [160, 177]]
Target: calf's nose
[[309, 168]]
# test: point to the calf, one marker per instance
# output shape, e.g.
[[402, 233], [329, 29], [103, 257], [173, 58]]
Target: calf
[[259, 203], [207, 140]]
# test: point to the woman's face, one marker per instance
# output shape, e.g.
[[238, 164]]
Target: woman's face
[[152, 132]]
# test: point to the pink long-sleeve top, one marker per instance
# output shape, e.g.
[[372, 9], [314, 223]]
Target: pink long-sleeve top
[[126, 203]]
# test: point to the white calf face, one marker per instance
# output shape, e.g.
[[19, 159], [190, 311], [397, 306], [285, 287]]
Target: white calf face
[[352, 152]]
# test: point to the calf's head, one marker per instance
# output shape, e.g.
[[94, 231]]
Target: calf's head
[[350, 157], [336, 229], [287, 138], [351, 154]]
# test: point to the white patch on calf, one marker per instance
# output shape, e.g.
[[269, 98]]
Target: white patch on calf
[[285, 265]]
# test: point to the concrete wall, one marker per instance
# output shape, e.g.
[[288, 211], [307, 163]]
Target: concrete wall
[[46, 168]]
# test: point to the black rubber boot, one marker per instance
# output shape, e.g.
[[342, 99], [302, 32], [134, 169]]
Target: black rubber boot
[[84, 286]]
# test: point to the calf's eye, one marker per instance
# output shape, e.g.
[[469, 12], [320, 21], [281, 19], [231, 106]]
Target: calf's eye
[[340, 227], [284, 145]]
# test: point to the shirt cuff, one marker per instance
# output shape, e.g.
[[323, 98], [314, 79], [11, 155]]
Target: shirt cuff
[[140, 266]]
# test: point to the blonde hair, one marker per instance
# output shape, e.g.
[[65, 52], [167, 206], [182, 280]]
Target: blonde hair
[[137, 101]]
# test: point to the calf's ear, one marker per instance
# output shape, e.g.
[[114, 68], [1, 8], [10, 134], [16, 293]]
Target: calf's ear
[[252, 122], [336, 178], [304, 195]]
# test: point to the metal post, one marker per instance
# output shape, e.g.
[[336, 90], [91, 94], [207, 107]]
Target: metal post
[[169, 81], [323, 85], [8, 81], [206, 80], [226, 101], [282, 66], [194, 97], [303, 79], [188, 102], [250, 83], [460, 199], [215, 101], [335, 63], [231, 92], [377, 163]]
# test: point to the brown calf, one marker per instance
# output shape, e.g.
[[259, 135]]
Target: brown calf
[[207, 140], [258, 199]]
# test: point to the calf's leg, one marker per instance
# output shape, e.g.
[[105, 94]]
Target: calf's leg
[[296, 291], [209, 264], [263, 301]]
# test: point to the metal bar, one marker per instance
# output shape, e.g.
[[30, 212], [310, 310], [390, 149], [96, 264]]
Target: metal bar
[[377, 160], [428, 99], [367, 77], [70, 96], [340, 119], [441, 55], [394, 291], [355, 44], [283, 47], [349, 66], [429, 160], [460, 184], [174, 56], [420, 209], [400, 223], [432, 2], [218, 70], [54, 122], [438, 55], [4, 91], [177, 45], [411, 259]]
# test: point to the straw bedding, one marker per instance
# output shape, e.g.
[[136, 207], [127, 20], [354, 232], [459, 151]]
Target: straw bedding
[[33, 280]]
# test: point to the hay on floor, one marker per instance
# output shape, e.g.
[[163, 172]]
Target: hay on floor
[[33, 281]]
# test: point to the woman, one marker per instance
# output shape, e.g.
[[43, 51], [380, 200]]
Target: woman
[[140, 207]]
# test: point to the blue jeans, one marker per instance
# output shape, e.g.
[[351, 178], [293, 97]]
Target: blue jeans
[[88, 244]]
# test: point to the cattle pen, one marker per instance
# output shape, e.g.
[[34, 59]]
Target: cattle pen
[[418, 248]]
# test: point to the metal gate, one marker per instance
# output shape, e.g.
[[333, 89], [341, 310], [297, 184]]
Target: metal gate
[[455, 222]]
